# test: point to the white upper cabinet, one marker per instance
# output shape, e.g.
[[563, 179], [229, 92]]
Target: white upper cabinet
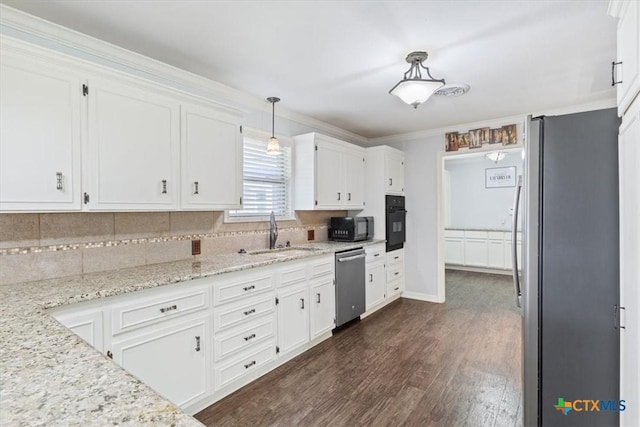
[[40, 106], [329, 173], [211, 158], [133, 147], [394, 173], [627, 69]]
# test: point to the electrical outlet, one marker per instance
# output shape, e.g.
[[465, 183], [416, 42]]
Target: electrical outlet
[[195, 247]]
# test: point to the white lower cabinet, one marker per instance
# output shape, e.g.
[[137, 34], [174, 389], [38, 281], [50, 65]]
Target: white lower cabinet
[[488, 249], [495, 253], [87, 324], [323, 306], [376, 284], [172, 360], [235, 370], [293, 317], [454, 250]]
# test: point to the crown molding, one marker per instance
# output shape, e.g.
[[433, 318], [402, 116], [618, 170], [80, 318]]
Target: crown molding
[[103, 51], [606, 102]]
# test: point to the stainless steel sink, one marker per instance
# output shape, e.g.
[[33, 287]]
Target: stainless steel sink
[[283, 252]]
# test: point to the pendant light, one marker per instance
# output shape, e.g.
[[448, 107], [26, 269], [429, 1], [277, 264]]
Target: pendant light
[[273, 146], [413, 89]]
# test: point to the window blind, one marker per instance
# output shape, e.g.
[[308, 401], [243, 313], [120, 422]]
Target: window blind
[[265, 181]]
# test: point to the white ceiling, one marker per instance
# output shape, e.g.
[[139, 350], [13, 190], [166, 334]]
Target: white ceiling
[[336, 61]]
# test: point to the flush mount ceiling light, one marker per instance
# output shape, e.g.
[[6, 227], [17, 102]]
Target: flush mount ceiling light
[[413, 89], [496, 156], [273, 146]]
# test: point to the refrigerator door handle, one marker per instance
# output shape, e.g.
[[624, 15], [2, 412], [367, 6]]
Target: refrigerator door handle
[[514, 242]]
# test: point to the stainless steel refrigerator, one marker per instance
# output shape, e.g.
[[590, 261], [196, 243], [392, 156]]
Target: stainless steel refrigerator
[[569, 282]]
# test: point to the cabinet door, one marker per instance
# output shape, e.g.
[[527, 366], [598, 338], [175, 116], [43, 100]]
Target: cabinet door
[[173, 361], [629, 159], [376, 285], [475, 252], [133, 148], [628, 71], [353, 183], [87, 324], [394, 174], [454, 251], [39, 136], [323, 307], [495, 258], [211, 159], [293, 318], [329, 192]]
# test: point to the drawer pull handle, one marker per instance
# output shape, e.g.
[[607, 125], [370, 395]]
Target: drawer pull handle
[[370, 277], [164, 186], [395, 289], [197, 190], [250, 364], [302, 303], [197, 343], [338, 195], [376, 254], [253, 310], [349, 199], [318, 300], [250, 337], [396, 273], [396, 257], [248, 288], [59, 185], [170, 308]]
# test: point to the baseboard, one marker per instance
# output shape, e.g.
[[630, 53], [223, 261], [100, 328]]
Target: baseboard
[[421, 297], [478, 269]]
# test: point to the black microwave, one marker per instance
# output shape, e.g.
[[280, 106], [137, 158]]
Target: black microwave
[[351, 228]]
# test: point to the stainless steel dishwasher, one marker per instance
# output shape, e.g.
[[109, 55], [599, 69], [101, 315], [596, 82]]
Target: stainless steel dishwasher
[[350, 285]]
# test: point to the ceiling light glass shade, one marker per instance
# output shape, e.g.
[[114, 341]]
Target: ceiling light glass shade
[[496, 156], [415, 92], [413, 89], [273, 146]]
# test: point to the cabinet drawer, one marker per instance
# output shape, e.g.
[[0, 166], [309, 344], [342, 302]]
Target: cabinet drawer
[[495, 235], [395, 257], [395, 272], [142, 312], [322, 267], [394, 288], [375, 253], [454, 233], [226, 317], [293, 274], [244, 365], [244, 337], [240, 287], [472, 234]]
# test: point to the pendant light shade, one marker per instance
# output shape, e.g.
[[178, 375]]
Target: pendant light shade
[[413, 89], [273, 146]]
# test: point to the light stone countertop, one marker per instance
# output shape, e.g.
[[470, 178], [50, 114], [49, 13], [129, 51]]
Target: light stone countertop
[[50, 376]]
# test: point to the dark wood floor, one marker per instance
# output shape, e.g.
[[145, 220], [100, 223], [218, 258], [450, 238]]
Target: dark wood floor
[[413, 363]]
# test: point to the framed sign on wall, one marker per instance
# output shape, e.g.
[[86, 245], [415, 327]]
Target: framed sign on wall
[[500, 177]]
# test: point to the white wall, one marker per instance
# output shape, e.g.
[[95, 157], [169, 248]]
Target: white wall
[[421, 189], [470, 203]]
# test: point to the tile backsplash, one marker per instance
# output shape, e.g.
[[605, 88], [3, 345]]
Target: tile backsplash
[[48, 245]]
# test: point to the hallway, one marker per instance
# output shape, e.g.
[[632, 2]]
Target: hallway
[[412, 363]]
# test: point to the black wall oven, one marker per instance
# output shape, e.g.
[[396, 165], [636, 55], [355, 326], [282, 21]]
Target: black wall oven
[[396, 220]]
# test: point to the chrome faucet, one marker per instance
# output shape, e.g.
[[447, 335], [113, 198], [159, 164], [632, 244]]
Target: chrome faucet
[[273, 231]]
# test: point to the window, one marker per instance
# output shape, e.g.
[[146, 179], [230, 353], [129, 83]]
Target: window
[[266, 182]]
